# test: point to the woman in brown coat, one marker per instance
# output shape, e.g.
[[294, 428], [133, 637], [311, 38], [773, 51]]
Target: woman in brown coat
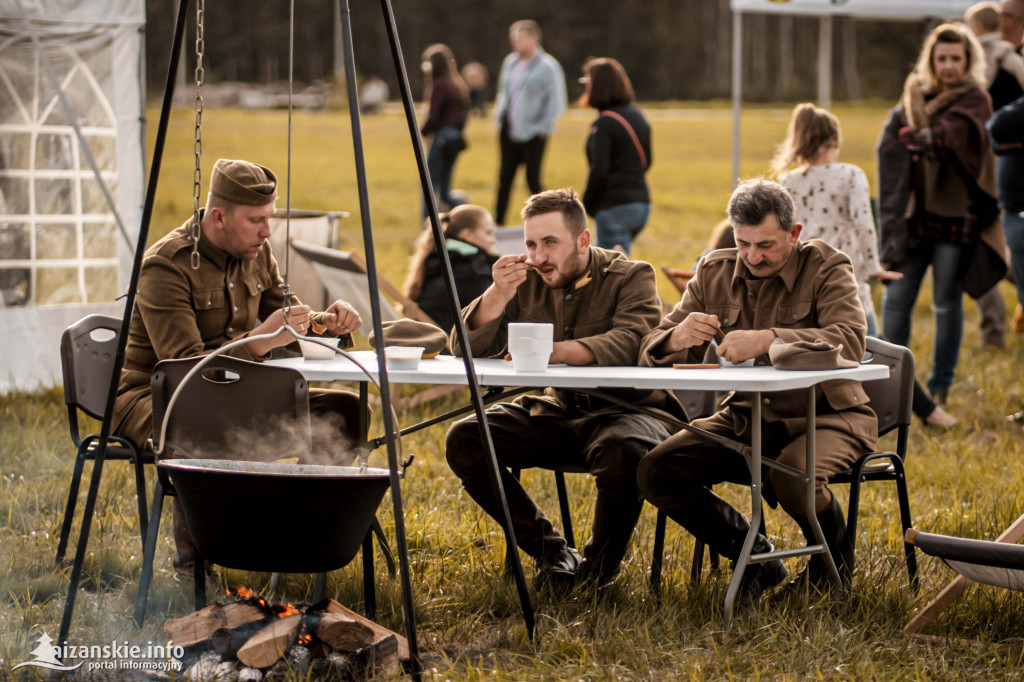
[[936, 190]]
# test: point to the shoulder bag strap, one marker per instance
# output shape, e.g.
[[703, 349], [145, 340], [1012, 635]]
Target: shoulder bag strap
[[632, 135]]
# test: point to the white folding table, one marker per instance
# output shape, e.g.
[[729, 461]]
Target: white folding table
[[496, 374]]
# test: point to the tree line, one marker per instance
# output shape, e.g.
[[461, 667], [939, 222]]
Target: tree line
[[672, 49]]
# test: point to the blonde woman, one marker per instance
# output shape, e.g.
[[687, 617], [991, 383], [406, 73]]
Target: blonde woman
[[469, 238], [936, 191]]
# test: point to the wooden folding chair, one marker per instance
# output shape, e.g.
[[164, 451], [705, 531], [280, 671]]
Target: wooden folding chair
[[679, 278]]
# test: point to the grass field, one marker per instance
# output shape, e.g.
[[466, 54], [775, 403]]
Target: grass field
[[965, 481]]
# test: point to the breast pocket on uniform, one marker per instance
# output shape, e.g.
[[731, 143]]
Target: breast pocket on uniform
[[257, 283], [208, 299], [795, 315], [728, 315]]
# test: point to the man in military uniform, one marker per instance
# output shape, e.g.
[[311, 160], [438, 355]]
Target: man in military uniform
[[772, 286], [237, 291], [601, 305]]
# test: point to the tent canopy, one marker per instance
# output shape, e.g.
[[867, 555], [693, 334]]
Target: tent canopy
[[825, 10], [71, 171]]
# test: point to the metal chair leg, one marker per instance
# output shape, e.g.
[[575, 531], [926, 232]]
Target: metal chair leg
[[140, 492], [697, 564], [148, 552], [69, 508], [369, 589], [563, 506], [908, 549], [658, 553]]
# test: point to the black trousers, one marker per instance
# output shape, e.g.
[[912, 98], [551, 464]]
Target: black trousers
[[513, 155], [609, 446]]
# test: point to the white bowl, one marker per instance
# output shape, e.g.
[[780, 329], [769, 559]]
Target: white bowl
[[311, 350], [402, 357]]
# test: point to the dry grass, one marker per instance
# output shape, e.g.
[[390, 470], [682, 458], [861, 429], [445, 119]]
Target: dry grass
[[966, 481]]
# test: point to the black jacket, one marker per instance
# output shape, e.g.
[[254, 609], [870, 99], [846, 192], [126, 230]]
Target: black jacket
[[1006, 130], [472, 269], [616, 169]]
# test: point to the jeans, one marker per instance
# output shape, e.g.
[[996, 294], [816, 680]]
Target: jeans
[[513, 155], [947, 261], [440, 168], [1013, 226], [620, 224]]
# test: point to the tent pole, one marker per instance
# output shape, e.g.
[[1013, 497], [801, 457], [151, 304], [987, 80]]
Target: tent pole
[[737, 91], [115, 376], [825, 61]]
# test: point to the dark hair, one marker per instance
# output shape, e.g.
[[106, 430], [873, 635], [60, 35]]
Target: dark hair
[[607, 84], [754, 200], [564, 201], [454, 224], [442, 65]]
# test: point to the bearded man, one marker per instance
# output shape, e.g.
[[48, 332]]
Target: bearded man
[[601, 305]]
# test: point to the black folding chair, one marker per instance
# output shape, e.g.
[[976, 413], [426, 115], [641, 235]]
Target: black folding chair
[[891, 400], [87, 351]]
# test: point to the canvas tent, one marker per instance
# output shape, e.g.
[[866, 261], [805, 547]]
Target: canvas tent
[[71, 171], [825, 10]]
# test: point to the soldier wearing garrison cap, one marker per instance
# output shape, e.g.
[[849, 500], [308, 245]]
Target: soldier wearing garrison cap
[[237, 291]]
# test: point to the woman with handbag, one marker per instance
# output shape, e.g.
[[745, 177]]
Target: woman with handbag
[[936, 192], [448, 100], [619, 154]]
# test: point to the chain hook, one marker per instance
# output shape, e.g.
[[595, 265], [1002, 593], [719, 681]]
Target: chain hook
[[197, 145]]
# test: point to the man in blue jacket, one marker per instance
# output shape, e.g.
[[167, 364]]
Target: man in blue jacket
[[531, 97]]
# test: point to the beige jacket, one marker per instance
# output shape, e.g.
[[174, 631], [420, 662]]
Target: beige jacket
[[813, 297]]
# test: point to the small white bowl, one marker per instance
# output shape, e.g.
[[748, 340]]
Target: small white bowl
[[402, 357], [311, 350]]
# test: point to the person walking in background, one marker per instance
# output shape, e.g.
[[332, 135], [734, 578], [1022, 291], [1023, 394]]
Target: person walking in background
[[476, 77], [448, 100], [469, 240], [619, 154], [531, 97], [936, 194], [1011, 22], [1006, 129], [833, 203]]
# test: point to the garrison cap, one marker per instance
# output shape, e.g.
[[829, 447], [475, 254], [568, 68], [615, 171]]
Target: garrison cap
[[817, 354], [406, 332], [244, 183]]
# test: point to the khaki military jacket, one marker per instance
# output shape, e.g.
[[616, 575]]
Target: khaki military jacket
[[608, 309], [813, 297], [181, 312]]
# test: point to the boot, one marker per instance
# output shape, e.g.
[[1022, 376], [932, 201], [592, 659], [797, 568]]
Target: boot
[[614, 520], [840, 546], [761, 576]]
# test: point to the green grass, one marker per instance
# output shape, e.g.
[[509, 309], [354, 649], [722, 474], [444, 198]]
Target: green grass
[[964, 482]]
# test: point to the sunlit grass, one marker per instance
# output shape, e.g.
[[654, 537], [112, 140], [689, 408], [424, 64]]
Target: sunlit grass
[[964, 482]]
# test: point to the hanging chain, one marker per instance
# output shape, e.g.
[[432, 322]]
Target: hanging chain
[[197, 145], [288, 171]]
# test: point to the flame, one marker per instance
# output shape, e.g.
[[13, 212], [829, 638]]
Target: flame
[[305, 640], [246, 593], [285, 610]]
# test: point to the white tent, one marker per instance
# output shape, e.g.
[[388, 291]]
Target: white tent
[[825, 9], [72, 169]]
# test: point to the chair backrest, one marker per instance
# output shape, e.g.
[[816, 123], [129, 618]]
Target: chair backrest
[[679, 278], [87, 350], [232, 409], [891, 398], [314, 227], [509, 240], [344, 275]]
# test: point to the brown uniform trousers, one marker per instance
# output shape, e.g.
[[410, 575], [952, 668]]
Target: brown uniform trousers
[[181, 312], [813, 297]]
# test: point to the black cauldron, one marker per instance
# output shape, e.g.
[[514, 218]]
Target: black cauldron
[[285, 518]]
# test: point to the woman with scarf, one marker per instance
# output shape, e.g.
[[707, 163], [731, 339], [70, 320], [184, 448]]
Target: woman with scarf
[[937, 194]]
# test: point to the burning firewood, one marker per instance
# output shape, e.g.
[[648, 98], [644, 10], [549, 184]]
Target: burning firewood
[[270, 643], [200, 626]]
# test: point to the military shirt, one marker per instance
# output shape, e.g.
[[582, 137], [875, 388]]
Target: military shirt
[[608, 309], [813, 296]]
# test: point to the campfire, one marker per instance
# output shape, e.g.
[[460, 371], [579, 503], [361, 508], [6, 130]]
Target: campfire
[[252, 640]]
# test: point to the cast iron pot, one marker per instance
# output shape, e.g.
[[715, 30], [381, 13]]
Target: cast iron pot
[[285, 518]]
